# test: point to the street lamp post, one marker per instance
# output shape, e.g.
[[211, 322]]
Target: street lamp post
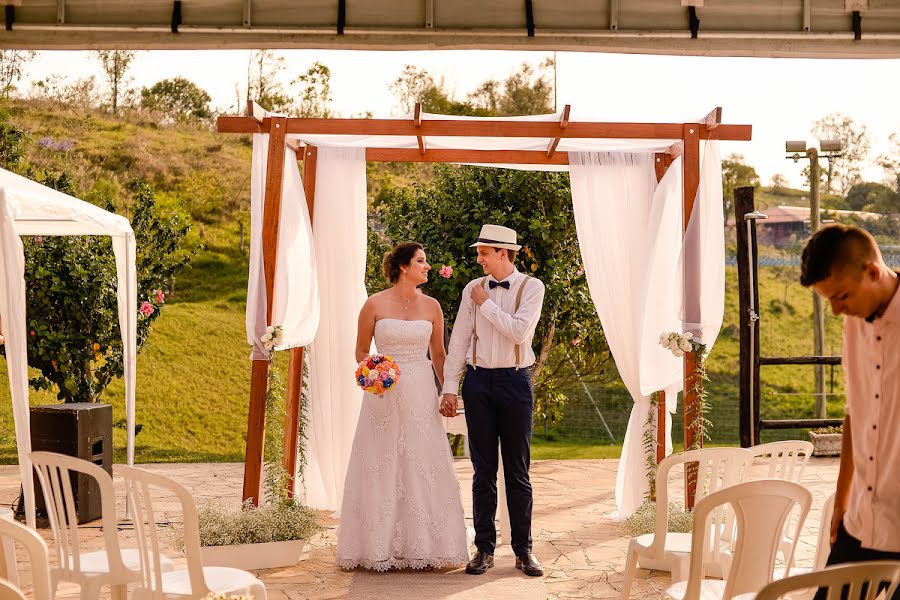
[[833, 148]]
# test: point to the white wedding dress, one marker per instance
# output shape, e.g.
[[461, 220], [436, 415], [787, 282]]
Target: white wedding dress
[[401, 506]]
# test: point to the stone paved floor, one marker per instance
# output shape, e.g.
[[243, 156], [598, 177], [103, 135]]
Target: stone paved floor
[[574, 537]]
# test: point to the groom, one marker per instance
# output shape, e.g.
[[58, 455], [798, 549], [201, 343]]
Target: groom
[[492, 341]]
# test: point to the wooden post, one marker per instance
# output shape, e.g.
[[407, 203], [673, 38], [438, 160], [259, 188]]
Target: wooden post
[[295, 365], [749, 346], [692, 382], [663, 161], [256, 419]]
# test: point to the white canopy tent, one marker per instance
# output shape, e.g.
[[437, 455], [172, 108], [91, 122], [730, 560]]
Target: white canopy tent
[[639, 223], [29, 208]]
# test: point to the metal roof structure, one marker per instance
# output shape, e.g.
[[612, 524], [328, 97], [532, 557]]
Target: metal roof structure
[[764, 28]]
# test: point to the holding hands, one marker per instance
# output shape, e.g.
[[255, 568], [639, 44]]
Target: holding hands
[[448, 405]]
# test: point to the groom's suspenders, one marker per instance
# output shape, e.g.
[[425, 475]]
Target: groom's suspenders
[[484, 283]]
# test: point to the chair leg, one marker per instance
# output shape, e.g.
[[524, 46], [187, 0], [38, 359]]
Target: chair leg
[[118, 592], [630, 568], [89, 591]]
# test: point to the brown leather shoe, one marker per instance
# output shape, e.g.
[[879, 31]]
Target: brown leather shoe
[[528, 564], [481, 562]]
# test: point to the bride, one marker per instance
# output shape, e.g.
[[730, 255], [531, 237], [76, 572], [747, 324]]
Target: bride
[[401, 506]]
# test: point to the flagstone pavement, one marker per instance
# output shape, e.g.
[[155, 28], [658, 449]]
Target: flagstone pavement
[[575, 538]]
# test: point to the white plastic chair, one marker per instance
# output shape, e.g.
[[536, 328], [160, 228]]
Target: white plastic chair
[[783, 460], [196, 581], [760, 510], [872, 574], [823, 542], [36, 549], [717, 468], [10, 592], [90, 570]]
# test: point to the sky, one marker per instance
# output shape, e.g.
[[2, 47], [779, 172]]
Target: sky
[[780, 98]]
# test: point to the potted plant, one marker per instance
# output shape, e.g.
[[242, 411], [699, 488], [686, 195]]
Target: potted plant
[[827, 440], [274, 533]]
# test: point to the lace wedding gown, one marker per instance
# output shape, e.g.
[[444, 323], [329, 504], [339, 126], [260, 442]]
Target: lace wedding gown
[[401, 506]]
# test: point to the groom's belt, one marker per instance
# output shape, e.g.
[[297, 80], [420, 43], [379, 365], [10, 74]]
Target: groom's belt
[[500, 370]]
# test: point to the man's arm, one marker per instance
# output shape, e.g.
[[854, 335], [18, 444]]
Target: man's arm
[[844, 480], [517, 327], [459, 344]]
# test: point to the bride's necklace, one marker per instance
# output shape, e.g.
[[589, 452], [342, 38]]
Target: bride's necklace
[[406, 303]]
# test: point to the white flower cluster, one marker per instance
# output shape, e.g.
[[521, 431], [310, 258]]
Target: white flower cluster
[[273, 337], [678, 343]]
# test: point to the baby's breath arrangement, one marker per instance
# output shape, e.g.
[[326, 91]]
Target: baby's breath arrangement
[[643, 520], [279, 517]]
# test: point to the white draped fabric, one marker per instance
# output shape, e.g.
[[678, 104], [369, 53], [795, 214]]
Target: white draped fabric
[[334, 399], [625, 232], [29, 208], [295, 306]]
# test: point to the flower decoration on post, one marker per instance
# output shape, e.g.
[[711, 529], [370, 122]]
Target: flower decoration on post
[[377, 374], [680, 344], [272, 338]]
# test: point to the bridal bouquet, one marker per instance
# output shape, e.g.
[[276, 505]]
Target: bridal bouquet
[[377, 374]]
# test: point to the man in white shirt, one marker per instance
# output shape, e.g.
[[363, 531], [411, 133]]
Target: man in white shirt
[[491, 341], [844, 265]]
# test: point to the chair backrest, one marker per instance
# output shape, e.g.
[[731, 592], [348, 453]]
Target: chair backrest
[[37, 552], [784, 460], [55, 473], [717, 468], [140, 486], [823, 544], [760, 510], [10, 592], [872, 575]]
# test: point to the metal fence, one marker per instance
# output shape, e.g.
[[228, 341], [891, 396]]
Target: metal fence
[[893, 260]]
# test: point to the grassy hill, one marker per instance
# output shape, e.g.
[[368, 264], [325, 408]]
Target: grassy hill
[[194, 376]]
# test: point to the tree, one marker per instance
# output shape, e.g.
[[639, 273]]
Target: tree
[[736, 173], [525, 92], [411, 85], [263, 84], [890, 162], [779, 182], [844, 170], [179, 100], [74, 341], [445, 215], [115, 66], [315, 92], [12, 64], [872, 197]]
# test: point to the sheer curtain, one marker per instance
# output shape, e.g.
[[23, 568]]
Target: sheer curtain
[[625, 232], [340, 236]]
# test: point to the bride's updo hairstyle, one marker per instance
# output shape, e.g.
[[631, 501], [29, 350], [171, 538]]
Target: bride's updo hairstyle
[[400, 256]]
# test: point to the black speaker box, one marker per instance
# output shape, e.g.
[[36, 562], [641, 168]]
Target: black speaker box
[[82, 430]]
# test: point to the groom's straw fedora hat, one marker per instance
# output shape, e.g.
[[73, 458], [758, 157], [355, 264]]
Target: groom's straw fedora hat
[[497, 236]]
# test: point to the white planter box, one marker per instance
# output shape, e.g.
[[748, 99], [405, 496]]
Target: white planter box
[[826, 444], [251, 557]]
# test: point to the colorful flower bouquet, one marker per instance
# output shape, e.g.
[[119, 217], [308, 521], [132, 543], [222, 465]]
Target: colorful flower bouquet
[[377, 374]]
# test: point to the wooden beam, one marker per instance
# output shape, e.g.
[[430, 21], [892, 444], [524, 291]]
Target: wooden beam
[[713, 119], [692, 382], [417, 118], [486, 128], [256, 419], [662, 164], [504, 157], [293, 401], [563, 123]]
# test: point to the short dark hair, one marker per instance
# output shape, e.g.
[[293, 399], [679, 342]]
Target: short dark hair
[[834, 248], [400, 256]]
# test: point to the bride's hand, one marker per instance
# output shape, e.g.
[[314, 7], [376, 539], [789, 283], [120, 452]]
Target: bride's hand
[[448, 405]]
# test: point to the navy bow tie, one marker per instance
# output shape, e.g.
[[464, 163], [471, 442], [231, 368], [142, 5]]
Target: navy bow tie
[[503, 284]]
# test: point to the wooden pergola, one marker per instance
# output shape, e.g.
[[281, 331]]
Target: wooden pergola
[[683, 138]]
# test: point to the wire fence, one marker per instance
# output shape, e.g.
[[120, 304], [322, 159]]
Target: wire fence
[[892, 260]]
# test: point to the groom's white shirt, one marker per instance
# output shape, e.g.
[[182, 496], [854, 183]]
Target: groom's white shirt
[[499, 328]]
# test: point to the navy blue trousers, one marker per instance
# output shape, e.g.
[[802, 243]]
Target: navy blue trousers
[[499, 404], [848, 549]]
